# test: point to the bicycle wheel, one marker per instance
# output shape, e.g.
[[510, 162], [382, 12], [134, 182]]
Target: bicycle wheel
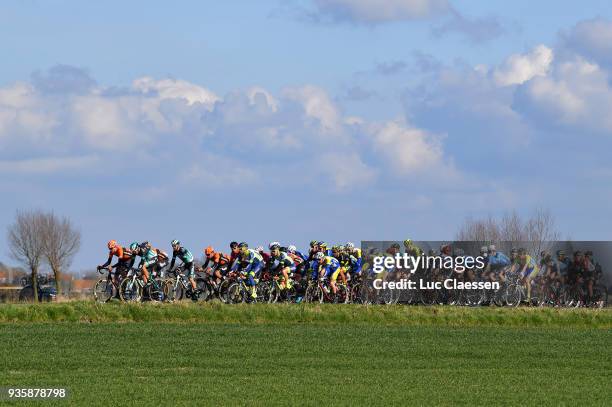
[[130, 290], [474, 298], [514, 295], [202, 290], [600, 296], [235, 294], [155, 291], [342, 296], [103, 290], [273, 293], [223, 291], [427, 297]]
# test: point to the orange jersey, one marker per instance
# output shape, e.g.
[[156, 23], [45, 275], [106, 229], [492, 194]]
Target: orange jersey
[[121, 253]]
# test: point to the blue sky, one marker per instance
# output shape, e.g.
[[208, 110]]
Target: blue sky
[[294, 120]]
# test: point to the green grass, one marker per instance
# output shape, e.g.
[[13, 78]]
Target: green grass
[[279, 355], [88, 311]]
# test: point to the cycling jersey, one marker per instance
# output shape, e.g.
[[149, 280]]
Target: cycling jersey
[[183, 254], [123, 256], [148, 258], [251, 261], [282, 261], [217, 259], [498, 260], [532, 268], [331, 267]]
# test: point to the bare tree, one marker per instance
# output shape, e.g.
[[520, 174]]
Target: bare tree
[[61, 241], [26, 243], [536, 232]]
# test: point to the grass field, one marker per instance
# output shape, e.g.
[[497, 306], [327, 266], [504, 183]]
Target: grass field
[[263, 355]]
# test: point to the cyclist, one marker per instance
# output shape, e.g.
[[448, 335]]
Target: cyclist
[[251, 263], [125, 260], [234, 254], [148, 259], [187, 258], [281, 261], [528, 270], [562, 263], [338, 252], [298, 258], [495, 262], [355, 252], [329, 268], [412, 249], [589, 273], [124, 256], [216, 262]]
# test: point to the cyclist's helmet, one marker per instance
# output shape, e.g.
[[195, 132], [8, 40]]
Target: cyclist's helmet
[[144, 245], [560, 252], [233, 245], [291, 248], [522, 251], [209, 251], [484, 250], [350, 245], [588, 253], [492, 248], [111, 244], [322, 245], [407, 243], [243, 245], [513, 251], [313, 243], [259, 249], [319, 256], [133, 246], [175, 243], [341, 248], [274, 245]]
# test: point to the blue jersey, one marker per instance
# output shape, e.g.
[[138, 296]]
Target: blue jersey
[[498, 260]]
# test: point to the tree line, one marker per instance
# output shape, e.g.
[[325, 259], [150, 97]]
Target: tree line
[[37, 238]]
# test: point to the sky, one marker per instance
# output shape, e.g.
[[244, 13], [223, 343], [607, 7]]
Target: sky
[[293, 120]]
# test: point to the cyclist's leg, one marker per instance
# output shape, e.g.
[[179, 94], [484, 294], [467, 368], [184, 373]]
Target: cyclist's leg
[[343, 275], [250, 282], [145, 273], [190, 274], [332, 280]]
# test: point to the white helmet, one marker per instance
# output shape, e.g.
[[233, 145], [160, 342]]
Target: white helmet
[[350, 245], [319, 255], [291, 248], [491, 247], [259, 249], [273, 245]]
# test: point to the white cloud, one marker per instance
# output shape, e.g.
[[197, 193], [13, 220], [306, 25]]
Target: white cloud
[[409, 150], [317, 105], [378, 11], [519, 68], [258, 94], [176, 89], [576, 93], [591, 39]]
